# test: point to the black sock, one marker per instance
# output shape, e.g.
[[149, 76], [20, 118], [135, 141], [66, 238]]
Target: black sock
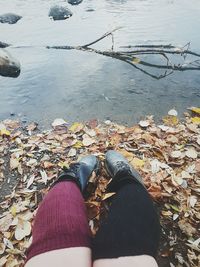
[[131, 228]]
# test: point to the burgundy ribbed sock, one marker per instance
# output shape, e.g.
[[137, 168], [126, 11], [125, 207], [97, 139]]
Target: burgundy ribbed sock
[[61, 221]]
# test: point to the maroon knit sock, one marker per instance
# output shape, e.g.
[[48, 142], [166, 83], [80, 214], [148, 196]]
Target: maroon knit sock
[[61, 221]]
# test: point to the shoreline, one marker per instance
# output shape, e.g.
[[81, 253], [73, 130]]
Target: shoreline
[[166, 155]]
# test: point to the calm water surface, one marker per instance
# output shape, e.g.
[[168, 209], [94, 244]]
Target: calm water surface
[[79, 86]]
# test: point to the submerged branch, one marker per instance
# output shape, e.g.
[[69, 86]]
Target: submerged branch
[[129, 56]]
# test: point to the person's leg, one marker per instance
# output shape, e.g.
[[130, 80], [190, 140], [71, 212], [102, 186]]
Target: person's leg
[[61, 233], [130, 233]]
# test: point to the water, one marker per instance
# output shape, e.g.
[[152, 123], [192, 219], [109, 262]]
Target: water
[[77, 85]]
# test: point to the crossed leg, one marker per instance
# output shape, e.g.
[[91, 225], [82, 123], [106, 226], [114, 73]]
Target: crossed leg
[[128, 237]]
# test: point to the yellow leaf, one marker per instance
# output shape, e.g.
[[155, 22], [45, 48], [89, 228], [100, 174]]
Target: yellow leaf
[[13, 210], [108, 195], [78, 144], [4, 132], [196, 120], [63, 164], [136, 60], [136, 162], [170, 120], [195, 110], [76, 127]]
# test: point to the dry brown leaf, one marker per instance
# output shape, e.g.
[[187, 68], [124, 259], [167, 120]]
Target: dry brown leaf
[[32, 126], [2, 248], [186, 227]]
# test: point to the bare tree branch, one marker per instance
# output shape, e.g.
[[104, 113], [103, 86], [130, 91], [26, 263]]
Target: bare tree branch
[[129, 56]]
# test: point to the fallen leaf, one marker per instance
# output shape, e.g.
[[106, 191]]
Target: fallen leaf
[[30, 181], [3, 260], [135, 60], [137, 163], [58, 122], [198, 140], [108, 195], [5, 132], [186, 228], [11, 262], [78, 144], [44, 177], [90, 132], [23, 229], [8, 243], [196, 120], [87, 141], [195, 110], [176, 154], [175, 216], [5, 222], [191, 153], [144, 124], [177, 180], [76, 127], [72, 152], [32, 126], [170, 120], [48, 164], [31, 162], [2, 248], [192, 201]]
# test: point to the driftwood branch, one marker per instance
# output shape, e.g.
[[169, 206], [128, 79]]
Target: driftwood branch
[[129, 56], [132, 55]]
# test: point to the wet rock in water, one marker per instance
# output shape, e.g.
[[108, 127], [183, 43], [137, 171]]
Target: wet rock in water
[[75, 2], [60, 12], [90, 10], [3, 45], [9, 18], [9, 66]]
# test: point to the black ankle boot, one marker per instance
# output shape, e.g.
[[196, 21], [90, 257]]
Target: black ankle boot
[[120, 171], [81, 171]]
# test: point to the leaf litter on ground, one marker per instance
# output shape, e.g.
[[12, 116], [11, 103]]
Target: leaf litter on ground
[[166, 155]]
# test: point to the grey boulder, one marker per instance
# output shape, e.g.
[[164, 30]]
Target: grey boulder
[[9, 66], [9, 18], [60, 12], [75, 2], [3, 45]]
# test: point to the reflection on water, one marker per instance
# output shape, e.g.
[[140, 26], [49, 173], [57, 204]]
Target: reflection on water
[[76, 85]]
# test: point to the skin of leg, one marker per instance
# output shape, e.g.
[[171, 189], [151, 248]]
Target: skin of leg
[[77, 257], [131, 261]]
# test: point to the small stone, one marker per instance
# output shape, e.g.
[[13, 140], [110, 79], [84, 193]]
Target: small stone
[[59, 12], [172, 112], [9, 18], [75, 2], [9, 66]]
